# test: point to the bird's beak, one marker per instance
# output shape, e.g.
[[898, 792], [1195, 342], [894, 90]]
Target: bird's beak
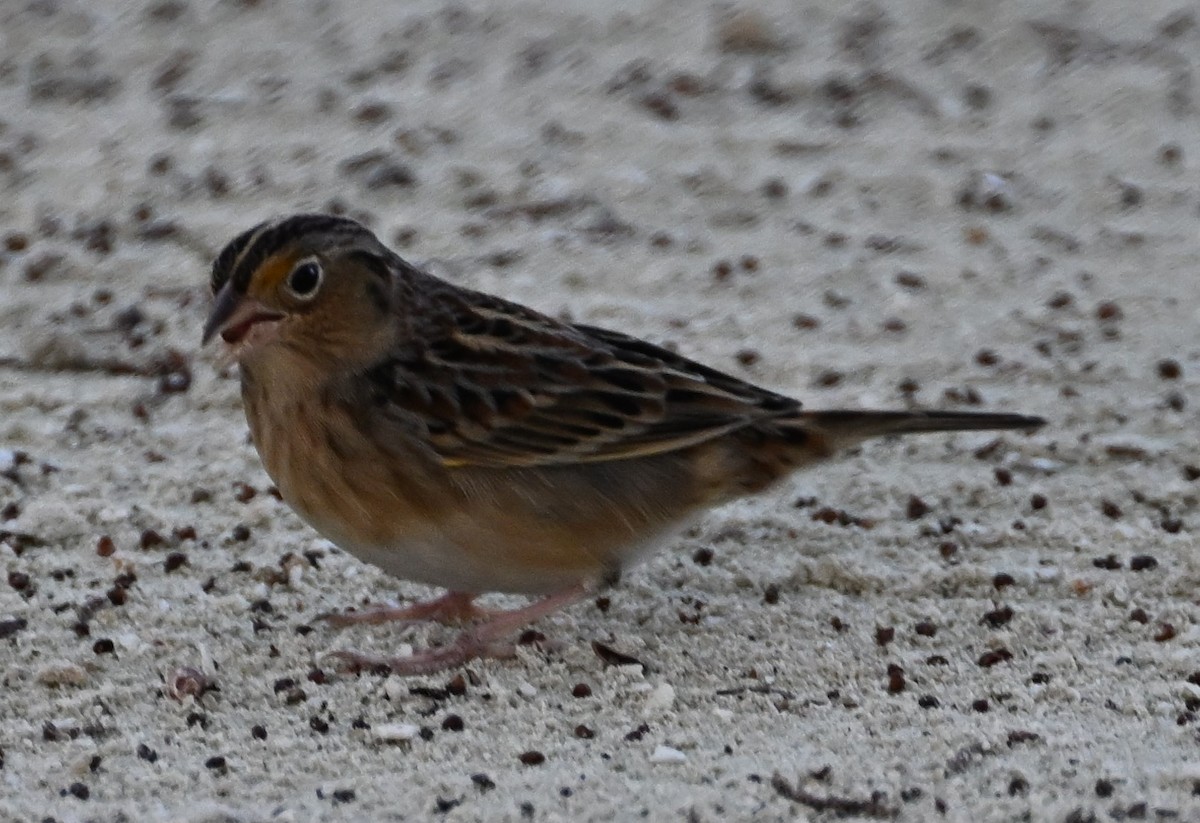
[[233, 316]]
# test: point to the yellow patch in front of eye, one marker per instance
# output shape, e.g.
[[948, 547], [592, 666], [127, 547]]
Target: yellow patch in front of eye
[[270, 274]]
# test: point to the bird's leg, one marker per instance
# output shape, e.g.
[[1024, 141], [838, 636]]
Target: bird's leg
[[451, 607], [487, 639]]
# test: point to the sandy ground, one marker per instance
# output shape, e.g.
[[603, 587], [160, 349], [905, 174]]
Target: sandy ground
[[959, 204]]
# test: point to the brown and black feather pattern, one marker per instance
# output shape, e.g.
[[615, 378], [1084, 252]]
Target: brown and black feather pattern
[[493, 383]]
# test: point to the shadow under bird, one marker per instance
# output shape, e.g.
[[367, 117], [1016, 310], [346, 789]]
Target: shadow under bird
[[461, 440]]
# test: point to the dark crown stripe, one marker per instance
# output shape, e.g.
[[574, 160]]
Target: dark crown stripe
[[223, 265], [249, 250]]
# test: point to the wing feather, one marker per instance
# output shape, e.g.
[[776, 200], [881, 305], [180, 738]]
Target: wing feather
[[491, 383]]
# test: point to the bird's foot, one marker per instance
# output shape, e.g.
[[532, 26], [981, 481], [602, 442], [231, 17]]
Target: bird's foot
[[465, 648], [451, 607], [486, 640]]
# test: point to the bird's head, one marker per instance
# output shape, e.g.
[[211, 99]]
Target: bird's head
[[311, 287]]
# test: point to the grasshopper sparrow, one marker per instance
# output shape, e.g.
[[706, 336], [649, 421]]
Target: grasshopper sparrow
[[457, 439]]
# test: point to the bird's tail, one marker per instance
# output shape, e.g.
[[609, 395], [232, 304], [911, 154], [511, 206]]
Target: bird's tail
[[844, 427]]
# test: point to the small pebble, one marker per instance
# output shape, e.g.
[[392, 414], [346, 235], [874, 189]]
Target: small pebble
[[396, 732], [666, 754], [916, 508], [1169, 369], [997, 617], [660, 699]]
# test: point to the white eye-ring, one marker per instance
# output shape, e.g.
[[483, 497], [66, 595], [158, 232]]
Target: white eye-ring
[[305, 278]]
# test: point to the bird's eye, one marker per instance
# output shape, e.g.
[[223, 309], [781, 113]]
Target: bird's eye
[[305, 279]]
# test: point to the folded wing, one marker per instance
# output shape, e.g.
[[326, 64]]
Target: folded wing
[[492, 383]]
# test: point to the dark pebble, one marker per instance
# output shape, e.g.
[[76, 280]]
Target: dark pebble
[[997, 617], [991, 658], [916, 508], [1169, 369], [149, 539]]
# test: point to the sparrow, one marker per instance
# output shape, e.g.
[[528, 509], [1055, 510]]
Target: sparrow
[[468, 442]]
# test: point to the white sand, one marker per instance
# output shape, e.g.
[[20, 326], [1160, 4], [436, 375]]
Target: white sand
[[1069, 128]]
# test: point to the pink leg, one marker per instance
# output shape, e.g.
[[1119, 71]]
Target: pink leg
[[485, 640], [451, 607]]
